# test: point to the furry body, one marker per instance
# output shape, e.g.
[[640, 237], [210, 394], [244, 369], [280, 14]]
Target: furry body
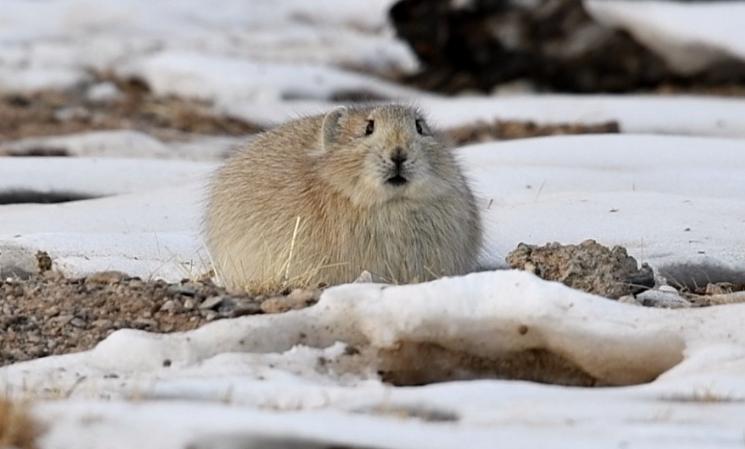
[[323, 198]]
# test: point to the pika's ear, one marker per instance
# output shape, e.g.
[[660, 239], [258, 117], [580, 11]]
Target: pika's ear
[[330, 126]]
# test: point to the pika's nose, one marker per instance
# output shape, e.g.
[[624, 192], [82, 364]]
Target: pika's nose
[[398, 156]]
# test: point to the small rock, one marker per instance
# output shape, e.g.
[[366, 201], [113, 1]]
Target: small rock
[[211, 302], [170, 306], [186, 290], [78, 322], [136, 283], [189, 304], [61, 319], [144, 323], [662, 299], [102, 324], [51, 312], [105, 277]]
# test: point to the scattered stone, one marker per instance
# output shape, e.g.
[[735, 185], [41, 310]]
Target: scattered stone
[[78, 322], [48, 314], [211, 303], [589, 267], [662, 298], [183, 289], [170, 306]]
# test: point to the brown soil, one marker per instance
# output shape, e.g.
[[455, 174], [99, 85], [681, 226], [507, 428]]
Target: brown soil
[[63, 112], [49, 314], [505, 130], [589, 267], [424, 363]]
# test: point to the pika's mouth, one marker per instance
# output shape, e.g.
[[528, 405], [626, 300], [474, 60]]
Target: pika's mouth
[[396, 180]]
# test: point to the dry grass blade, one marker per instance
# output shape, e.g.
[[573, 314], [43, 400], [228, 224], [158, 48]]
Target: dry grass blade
[[17, 428]]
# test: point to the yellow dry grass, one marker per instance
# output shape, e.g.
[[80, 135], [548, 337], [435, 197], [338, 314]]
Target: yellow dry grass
[[17, 428]]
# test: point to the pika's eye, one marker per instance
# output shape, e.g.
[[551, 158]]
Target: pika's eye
[[419, 126], [370, 127]]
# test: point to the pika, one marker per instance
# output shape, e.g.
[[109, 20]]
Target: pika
[[322, 199]]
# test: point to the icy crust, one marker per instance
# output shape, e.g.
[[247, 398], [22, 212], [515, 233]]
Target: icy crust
[[281, 371], [689, 36]]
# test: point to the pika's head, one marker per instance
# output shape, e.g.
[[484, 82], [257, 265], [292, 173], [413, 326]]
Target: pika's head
[[383, 153]]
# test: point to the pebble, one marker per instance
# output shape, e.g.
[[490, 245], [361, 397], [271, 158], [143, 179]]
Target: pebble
[[78, 322], [170, 306], [62, 319], [141, 323], [185, 290], [211, 302], [105, 277], [662, 298]]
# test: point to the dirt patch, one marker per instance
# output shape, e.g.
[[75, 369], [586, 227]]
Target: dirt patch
[[424, 363], [506, 130], [130, 106], [17, 429], [49, 314], [589, 267]]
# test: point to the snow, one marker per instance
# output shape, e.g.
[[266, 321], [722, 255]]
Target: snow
[[678, 204], [227, 80], [53, 43], [127, 144], [689, 36], [248, 377], [669, 189], [146, 223]]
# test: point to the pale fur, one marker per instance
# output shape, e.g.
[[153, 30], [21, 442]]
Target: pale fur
[[308, 203]]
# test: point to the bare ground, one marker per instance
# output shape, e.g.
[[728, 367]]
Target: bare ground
[[49, 314]]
